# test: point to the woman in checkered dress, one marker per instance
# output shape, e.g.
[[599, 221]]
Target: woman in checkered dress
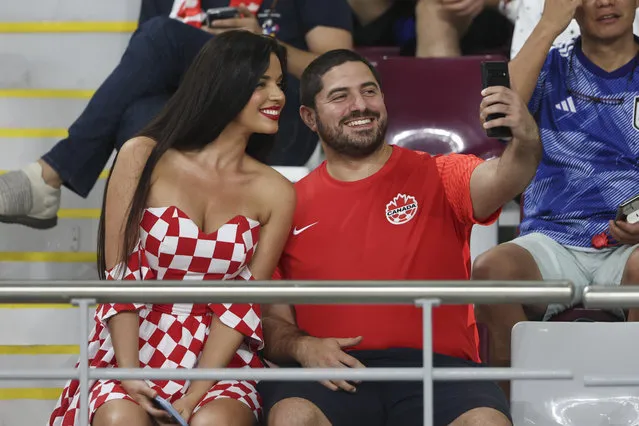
[[189, 199]]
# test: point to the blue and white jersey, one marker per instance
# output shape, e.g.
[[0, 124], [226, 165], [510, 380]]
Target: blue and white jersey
[[589, 124]]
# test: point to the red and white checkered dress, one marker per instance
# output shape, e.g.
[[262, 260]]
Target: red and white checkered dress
[[172, 247]]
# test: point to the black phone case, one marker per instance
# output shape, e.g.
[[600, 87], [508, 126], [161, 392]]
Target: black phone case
[[221, 13], [496, 74], [627, 207]]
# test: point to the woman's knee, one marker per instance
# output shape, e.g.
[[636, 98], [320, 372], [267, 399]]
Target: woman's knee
[[224, 412], [120, 412]]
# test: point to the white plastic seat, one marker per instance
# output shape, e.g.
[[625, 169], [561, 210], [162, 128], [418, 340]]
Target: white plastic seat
[[292, 173], [586, 349]]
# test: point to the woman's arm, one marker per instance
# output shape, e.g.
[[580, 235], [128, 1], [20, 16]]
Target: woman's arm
[[218, 351], [279, 194], [122, 320]]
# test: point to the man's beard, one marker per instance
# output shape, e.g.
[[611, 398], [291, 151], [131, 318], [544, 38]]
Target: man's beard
[[359, 146]]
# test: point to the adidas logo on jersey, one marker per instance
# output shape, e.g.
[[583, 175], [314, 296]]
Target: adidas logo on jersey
[[566, 105]]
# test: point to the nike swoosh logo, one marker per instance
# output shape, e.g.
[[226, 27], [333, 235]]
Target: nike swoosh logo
[[299, 231]]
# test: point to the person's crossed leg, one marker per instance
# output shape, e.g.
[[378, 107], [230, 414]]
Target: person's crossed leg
[[159, 52]]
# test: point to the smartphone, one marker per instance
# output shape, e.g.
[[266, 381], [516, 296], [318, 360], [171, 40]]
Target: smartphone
[[628, 210], [496, 74], [221, 13], [165, 405]]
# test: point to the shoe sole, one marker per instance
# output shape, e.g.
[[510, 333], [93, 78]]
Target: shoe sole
[[30, 221]]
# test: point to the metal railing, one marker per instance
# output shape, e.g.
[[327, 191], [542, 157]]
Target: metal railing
[[426, 294], [607, 297]]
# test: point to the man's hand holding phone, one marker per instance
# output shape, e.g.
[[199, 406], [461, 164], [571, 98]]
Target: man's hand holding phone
[[624, 232], [502, 112], [625, 228], [502, 108], [243, 20]]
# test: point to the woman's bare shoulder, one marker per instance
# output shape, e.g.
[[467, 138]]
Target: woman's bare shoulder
[[271, 176], [272, 183], [135, 152]]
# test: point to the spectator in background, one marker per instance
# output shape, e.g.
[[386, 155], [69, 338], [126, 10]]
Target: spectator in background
[[153, 64], [585, 97], [374, 211], [528, 13], [431, 28]]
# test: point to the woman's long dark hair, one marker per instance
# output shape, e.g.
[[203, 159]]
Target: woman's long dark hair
[[215, 89]]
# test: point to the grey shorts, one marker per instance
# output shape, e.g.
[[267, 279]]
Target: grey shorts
[[582, 267]]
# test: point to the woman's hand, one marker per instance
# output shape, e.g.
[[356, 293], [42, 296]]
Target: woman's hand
[[143, 394]]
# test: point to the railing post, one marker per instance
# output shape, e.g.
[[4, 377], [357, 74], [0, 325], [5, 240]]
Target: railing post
[[83, 364], [427, 350]]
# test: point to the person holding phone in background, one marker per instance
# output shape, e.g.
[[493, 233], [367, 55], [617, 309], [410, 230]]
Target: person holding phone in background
[[151, 68], [526, 15], [585, 97]]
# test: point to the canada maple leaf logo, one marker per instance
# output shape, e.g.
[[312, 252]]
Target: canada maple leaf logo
[[401, 209]]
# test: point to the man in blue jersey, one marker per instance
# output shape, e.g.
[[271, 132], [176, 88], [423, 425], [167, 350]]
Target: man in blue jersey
[[585, 98]]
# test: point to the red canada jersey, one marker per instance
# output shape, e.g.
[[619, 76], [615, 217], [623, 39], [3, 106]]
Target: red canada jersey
[[409, 221]]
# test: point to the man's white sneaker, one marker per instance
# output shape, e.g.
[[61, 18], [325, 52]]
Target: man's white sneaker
[[26, 199]]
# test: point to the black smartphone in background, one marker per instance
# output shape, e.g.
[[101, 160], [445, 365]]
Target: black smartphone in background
[[495, 73], [221, 13]]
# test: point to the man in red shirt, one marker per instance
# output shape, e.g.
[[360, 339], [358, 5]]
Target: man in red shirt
[[374, 211]]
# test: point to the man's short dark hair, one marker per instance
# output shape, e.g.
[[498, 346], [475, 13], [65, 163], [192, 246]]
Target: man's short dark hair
[[311, 82]]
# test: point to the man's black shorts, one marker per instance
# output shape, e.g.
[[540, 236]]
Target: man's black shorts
[[391, 403]]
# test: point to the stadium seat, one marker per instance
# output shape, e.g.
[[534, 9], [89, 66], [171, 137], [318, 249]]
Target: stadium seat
[[375, 54], [292, 173], [585, 349], [433, 104]]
